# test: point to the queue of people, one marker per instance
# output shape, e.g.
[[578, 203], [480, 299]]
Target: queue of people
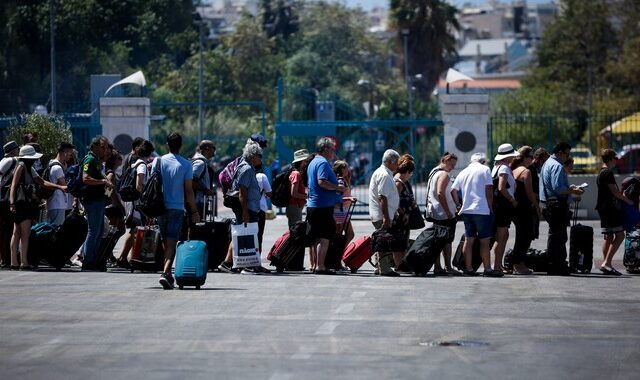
[[523, 187]]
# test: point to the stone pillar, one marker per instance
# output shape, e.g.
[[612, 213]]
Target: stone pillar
[[465, 118], [124, 119]]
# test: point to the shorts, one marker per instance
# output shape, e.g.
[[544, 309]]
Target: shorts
[[170, 224], [25, 211], [321, 222], [294, 214], [480, 226], [611, 220], [451, 224]]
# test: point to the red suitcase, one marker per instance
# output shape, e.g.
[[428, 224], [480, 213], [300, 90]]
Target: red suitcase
[[357, 253], [286, 254]]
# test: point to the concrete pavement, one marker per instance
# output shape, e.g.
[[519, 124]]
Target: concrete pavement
[[75, 325]]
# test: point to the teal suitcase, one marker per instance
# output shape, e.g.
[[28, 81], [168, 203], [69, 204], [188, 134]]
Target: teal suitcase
[[191, 263]]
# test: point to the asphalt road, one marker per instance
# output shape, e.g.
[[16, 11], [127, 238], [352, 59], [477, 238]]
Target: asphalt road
[[75, 325]]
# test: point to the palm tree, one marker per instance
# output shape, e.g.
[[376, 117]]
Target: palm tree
[[431, 45]]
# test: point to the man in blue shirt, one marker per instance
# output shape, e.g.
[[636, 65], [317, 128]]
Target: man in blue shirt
[[177, 174], [554, 192], [324, 193]]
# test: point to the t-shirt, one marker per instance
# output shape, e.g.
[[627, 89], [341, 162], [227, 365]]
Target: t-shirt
[[296, 180], [60, 199], [605, 196], [382, 183], [246, 177], [142, 169], [318, 169], [175, 170], [265, 187], [93, 167], [472, 182], [436, 210], [200, 174], [505, 169]]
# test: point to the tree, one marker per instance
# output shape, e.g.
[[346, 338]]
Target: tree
[[51, 131], [431, 44]]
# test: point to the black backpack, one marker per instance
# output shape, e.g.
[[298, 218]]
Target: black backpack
[[41, 191], [281, 189], [127, 186], [152, 199], [75, 186]]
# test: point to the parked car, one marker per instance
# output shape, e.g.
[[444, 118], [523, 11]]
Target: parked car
[[629, 159], [583, 160]]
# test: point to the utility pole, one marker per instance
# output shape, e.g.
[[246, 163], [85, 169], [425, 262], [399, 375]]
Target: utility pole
[[201, 86], [405, 36], [52, 36]]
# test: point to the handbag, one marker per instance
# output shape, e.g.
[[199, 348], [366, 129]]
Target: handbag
[[246, 251], [388, 240], [416, 221]]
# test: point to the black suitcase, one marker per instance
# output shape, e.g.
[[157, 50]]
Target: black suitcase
[[333, 259], [580, 245], [425, 250], [106, 246], [458, 258], [69, 238], [217, 235], [536, 259]]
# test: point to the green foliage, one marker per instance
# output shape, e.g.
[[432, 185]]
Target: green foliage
[[51, 130]]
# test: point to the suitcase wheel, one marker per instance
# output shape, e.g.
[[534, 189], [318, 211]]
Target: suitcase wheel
[[198, 287], [180, 287], [354, 270]]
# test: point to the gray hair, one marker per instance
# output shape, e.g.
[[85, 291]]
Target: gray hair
[[390, 155], [479, 157], [324, 143], [251, 150]]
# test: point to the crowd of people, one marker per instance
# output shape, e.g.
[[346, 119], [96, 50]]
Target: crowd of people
[[524, 187]]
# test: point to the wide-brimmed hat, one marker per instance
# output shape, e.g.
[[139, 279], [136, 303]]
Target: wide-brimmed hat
[[300, 155], [10, 147], [504, 151], [29, 152]]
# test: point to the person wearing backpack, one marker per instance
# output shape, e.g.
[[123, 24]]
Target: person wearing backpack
[[177, 191], [7, 166], [94, 198], [58, 203], [134, 218], [202, 184], [24, 205]]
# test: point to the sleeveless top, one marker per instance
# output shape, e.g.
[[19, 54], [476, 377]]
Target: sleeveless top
[[433, 201]]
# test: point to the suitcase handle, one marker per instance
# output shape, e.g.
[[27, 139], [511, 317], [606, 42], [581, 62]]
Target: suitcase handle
[[347, 220], [575, 212]]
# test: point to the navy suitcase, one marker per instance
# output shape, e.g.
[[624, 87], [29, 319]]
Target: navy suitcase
[[191, 263]]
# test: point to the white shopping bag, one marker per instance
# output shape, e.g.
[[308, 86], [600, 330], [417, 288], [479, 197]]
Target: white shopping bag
[[246, 251]]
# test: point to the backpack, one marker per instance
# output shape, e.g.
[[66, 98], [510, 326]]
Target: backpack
[[41, 191], [75, 186], [630, 187], [281, 189], [5, 184], [151, 202], [127, 186], [226, 175]]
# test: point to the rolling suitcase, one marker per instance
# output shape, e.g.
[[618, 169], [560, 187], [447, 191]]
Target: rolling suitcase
[[357, 253], [107, 244], [147, 254], [333, 259], [191, 263], [458, 258], [287, 253], [216, 233], [580, 245], [426, 249], [69, 238], [41, 242], [631, 259]]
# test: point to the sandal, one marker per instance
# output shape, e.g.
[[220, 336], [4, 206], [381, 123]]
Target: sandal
[[610, 271], [28, 268]]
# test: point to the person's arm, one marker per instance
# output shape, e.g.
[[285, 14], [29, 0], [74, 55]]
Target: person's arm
[[90, 181], [502, 188], [441, 189], [41, 182], [14, 186], [244, 202], [325, 184], [191, 201], [115, 197], [139, 182], [618, 194], [384, 206], [456, 198], [488, 190], [295, 185]]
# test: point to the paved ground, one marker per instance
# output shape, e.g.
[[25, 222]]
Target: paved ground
[[75, 325]]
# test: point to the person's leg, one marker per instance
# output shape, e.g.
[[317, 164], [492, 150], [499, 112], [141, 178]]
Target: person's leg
[[25, 232], [95, 221], [467, 248], [321, 252], [262, 217], [557, 241], [15, 243], [350, 233], [615, 243], [485, 253], [126, 248], [502, 235], [521, 245]]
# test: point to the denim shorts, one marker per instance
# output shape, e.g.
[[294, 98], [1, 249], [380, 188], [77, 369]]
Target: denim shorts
[[480, 226], [170, 224]]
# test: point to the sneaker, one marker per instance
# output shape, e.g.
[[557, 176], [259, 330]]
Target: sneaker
[[249, 271], [166, 280], [76, 263], [492, 273], [262, 269], [228, 268], [390, 274]]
